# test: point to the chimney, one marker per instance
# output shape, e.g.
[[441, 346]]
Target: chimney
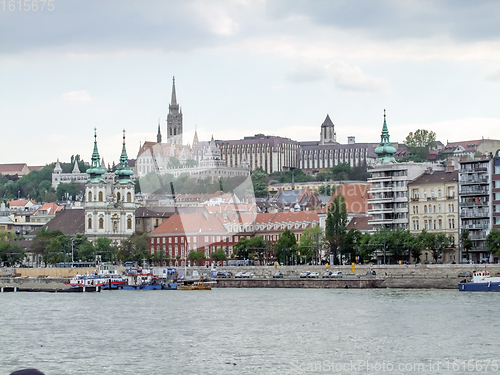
[[351, 140]]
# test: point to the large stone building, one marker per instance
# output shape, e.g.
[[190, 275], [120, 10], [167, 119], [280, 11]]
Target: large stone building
[[109, 207], [434, 207]]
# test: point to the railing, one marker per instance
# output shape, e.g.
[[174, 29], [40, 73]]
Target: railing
[[474, 179], [450, 197], [474, 213], [474, 226], [474, 191]]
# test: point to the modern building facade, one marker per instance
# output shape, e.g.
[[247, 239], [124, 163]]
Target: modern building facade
[[476, 207]]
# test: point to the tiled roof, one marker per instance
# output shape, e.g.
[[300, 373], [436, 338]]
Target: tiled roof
[[435, 177], [190, 223], [69, 222], [360, 222], [12, 167], [35, 167], [51, 209], [355, 197], [19, 202]]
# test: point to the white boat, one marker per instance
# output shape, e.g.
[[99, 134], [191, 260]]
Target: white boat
[[481, 282]]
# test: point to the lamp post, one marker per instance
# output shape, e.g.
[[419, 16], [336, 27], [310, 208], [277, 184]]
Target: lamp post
[[72, 253]]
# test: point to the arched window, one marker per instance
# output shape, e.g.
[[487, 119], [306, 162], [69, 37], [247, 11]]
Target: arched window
[[101, 198], [118, 197], [425, 209], [90, 223], [129, 197], [101, 223], [90, 196], [129, 223]]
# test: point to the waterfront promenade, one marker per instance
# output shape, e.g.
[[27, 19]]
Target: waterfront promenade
[[432, 276]]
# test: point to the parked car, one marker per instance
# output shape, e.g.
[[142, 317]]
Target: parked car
[[221, 274], [278, 275], [336, 274], [248, 275], [327, 274], [304, 274], [313, 275], [239, 275]]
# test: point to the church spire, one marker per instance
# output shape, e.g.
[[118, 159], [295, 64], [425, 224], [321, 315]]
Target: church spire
[[173, 101], [385, 150], [95, 171], [123, 171], [158, 136]]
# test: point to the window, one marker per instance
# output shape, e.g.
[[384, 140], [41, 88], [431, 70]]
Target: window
[[440, 224], [439, 193], [425, 225], [434, 224], [449, 223], [182, 239], [101, 197], [129, 197], [418, 225], [434, 209], [169, 239], [90, 223], [425, 193], [163, 240], [206, 239], [90, 196], [453, 223], [118, 197], [417, 210], [129, 224], [101, 223], [439, 208], [425, 209], [175, 239], [432, 193]]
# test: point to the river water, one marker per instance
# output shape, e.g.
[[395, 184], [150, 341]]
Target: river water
[[251, 331]]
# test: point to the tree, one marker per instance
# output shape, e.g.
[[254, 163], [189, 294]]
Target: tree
[[174, 163], [351, 244], [10, 253], [257, 245], [420, 142], [241, 248], [466, 242], [104, 249], [335, 229], [195, 256], [135, 248], [493, 242], [414, 246], [219, 255], [421, 138], [308, 244], [285, 247]]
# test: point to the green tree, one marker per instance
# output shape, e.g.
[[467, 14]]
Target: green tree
[[11, 254], [104, 249], [351, 244], [174, 163], [135, 248], [242, 248], [420, 142], [195, 256], [285, 247], [335, 229], [257, 246], [466, 242], [493, 242], [309, 244], [219, 255]]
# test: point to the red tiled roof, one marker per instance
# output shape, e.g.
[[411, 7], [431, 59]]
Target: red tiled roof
[[360, 222], [355, 197], [19, 202], [51, 209], [12, 167]]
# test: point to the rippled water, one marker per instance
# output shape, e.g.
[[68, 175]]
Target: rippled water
[[250, 331]]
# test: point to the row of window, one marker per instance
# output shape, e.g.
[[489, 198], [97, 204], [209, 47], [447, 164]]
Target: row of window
[[433, 224], [101, 223], [432, 209]]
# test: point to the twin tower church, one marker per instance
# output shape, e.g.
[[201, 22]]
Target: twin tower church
[[109, 206]]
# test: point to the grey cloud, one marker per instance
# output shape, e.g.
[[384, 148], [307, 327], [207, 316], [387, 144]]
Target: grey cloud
[[105, 25], [305, 73], [393, 19]]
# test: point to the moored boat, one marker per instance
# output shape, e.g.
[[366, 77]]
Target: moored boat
[[481, 282], [197, 285]]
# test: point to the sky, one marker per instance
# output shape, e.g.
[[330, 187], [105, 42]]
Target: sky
[[243, 67]]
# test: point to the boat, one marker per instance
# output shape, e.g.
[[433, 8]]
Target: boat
[[196, 285], [481, 282], [103, 281], [145, 279]]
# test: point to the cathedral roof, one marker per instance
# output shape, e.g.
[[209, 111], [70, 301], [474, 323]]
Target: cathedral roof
[[327, 122]]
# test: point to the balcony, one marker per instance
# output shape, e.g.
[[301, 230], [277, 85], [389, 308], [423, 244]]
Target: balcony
[[450, 197], [474, 192], [475, 213], [474, 179], [474, 226]]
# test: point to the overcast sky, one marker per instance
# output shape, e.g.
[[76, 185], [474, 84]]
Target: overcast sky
[[244, 67]]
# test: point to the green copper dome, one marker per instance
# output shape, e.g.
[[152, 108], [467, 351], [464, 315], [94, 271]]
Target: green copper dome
[[385, 150]]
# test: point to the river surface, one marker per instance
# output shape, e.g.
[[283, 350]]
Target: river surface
[[251, 331]]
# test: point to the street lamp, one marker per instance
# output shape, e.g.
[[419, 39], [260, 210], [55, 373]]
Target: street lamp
[[72, 253]]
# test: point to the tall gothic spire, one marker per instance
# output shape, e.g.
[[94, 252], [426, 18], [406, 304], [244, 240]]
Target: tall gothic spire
[[385, 150], [158, 136], [173, 101]]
